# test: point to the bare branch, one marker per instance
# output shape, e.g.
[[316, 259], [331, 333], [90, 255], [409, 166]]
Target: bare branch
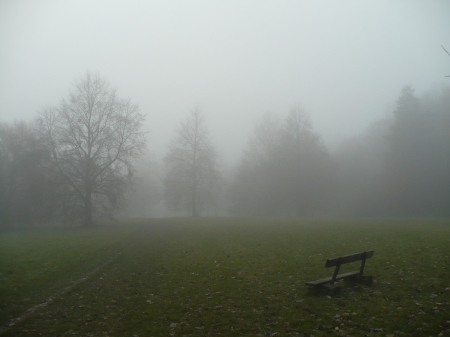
[[191, 164], [448, 55], [94, 137]]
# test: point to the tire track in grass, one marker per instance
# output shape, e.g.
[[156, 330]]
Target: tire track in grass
[[59, 293]]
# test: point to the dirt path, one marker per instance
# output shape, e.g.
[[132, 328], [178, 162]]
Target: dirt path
[[59, 293]]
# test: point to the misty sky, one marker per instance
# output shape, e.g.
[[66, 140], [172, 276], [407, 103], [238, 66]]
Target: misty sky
[[344, 62]]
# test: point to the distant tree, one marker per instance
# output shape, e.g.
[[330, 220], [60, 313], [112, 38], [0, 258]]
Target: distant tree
[[252, 191], [93, 136], [26, 188], [265, 140], [418, 158], [192, 175], [286, 170], [306, 171], [360, 161]]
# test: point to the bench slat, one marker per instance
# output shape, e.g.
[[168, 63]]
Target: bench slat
[[348, 258], [328, 279]]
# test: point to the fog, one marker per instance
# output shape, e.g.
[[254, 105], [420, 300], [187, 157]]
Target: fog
[[344, 63]]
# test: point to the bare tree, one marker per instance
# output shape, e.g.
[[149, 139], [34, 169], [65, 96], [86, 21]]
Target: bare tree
[[192, 174], [93, 138]]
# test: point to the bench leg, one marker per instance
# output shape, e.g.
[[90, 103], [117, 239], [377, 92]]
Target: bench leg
[[336, 272], [363, 263]]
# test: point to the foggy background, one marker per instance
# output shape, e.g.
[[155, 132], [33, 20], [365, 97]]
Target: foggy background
[[343, 63]]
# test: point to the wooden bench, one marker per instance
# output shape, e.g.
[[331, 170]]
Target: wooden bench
[[329, 282]]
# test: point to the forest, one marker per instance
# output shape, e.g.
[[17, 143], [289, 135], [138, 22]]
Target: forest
[[87, 159]]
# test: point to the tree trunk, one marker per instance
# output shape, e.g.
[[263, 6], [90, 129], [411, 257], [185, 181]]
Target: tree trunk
[[88, 208], [194, 192], [194, 178]]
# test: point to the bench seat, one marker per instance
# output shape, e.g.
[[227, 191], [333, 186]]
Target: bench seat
[[328, 279]]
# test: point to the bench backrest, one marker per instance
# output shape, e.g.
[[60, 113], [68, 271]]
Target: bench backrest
[[348, 258]]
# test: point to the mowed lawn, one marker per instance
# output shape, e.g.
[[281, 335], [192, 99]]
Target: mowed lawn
[[225, 277]]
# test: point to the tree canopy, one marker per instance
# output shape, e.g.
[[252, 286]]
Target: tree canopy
[[286, 169], [92, 137], [192, 174]]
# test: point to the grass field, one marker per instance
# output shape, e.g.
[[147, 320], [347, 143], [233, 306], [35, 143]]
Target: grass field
[[224, 277]]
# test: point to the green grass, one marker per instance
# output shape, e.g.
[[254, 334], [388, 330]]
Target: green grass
[[226, 277], [36, 264]]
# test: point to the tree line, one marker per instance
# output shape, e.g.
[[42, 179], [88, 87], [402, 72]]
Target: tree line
[[77, 162], [401, 166]]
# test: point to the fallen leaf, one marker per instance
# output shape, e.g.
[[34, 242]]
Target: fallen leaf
[[376, 330]]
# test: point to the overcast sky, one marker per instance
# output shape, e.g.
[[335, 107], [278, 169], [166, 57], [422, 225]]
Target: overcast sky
[[345, 62]]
